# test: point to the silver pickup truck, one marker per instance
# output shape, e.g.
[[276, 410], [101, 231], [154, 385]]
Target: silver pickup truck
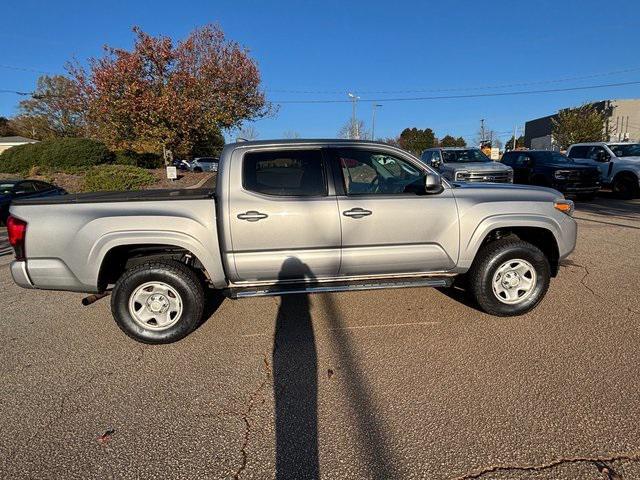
[[289, 217]]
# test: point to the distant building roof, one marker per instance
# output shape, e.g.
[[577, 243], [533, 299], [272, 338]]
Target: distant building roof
[[17, 139]]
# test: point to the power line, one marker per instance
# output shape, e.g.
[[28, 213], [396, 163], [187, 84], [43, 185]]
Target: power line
[[25, 69], [461, 89], [471, 95], [16, 92]]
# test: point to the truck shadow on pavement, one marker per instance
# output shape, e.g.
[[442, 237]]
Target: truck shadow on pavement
[[606, 204], [295, 387]]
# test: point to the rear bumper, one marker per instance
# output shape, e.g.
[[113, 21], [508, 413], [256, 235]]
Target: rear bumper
[[20, 275]]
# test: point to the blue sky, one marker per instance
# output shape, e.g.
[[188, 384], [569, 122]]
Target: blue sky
[[362, 47]]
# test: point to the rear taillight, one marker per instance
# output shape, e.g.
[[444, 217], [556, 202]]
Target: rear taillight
[[17, 231]]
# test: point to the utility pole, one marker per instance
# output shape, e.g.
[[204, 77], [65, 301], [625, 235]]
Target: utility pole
[[481, 132], [373, 118], [354, 121], [515, 134]]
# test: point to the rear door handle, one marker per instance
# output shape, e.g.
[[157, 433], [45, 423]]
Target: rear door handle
[[252, 216], [357, 212]]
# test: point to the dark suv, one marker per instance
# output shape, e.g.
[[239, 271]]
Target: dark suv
[[554, 170]]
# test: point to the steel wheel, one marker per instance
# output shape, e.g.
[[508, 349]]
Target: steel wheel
[[514, 281], [155, 306]]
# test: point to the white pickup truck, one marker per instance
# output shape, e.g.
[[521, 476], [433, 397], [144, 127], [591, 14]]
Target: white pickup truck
[[287, 217], [618, 163]]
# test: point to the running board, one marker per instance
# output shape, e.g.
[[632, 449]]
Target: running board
[[277, 290]]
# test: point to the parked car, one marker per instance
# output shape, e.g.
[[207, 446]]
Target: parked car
[[618, 163], [204, 164], [289, 217], [466, 165], [11, 190], [181, 164], [554, 170]]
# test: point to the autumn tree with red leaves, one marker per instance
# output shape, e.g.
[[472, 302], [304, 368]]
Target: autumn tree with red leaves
[[163, 94]]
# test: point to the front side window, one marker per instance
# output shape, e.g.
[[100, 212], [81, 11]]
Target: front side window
[[523, 160], [464, 156], [595, 153], [367, 172], [285, 173], [627, 150]]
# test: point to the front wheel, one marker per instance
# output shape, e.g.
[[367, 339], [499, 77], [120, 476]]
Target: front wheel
[[158, 301], [625, 187], [509, 277]]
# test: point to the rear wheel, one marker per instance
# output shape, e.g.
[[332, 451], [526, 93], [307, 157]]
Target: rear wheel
[[197, 170], [158, 301], [509, 277]]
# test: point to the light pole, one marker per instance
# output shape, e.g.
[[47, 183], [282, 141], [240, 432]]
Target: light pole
[[354, 122], [373, 118]]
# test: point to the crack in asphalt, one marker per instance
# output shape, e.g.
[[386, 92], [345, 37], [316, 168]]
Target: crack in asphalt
[[54, 417], [599, 462], [256, 395], [583, 280]]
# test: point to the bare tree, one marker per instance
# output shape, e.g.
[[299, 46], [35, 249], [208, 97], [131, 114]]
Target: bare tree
[[248, 132], [290, 134], [354, 130]]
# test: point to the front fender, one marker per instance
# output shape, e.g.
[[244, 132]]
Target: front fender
[[563, 229]]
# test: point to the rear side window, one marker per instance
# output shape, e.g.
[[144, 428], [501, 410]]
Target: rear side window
[[579, 151], [298, 173], [508, 158]]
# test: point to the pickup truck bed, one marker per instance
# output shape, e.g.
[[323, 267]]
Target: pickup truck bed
[[131, 196]]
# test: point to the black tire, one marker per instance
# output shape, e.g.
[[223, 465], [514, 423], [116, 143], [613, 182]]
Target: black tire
[[490, 258], [625, 187], [197, 170], [170, 272]]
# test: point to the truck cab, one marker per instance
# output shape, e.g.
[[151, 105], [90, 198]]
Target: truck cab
[[618, 163]]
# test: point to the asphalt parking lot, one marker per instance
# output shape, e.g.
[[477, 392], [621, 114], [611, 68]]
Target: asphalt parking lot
[[407, 383]]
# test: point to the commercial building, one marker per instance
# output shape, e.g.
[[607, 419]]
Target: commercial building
[[623, 122]]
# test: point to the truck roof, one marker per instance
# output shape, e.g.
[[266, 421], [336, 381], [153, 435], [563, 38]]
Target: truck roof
[[304, 141]]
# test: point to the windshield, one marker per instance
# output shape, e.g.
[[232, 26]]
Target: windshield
[[463, 156], [6, 188], [627, 150], [553, 157]]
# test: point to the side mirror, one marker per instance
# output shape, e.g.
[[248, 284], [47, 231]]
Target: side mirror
[[603, 157], [435, 163], [433, 183]]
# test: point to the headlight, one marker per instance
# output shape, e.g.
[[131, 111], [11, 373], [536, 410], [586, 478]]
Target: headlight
[[565, 206], [462, 175], [562, 174]]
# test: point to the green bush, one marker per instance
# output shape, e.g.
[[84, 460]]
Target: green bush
[[142, 160], [116, 177], [64, 154]]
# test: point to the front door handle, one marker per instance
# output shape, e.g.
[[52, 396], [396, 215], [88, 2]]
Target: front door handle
[[357, 212], [252, 216]]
